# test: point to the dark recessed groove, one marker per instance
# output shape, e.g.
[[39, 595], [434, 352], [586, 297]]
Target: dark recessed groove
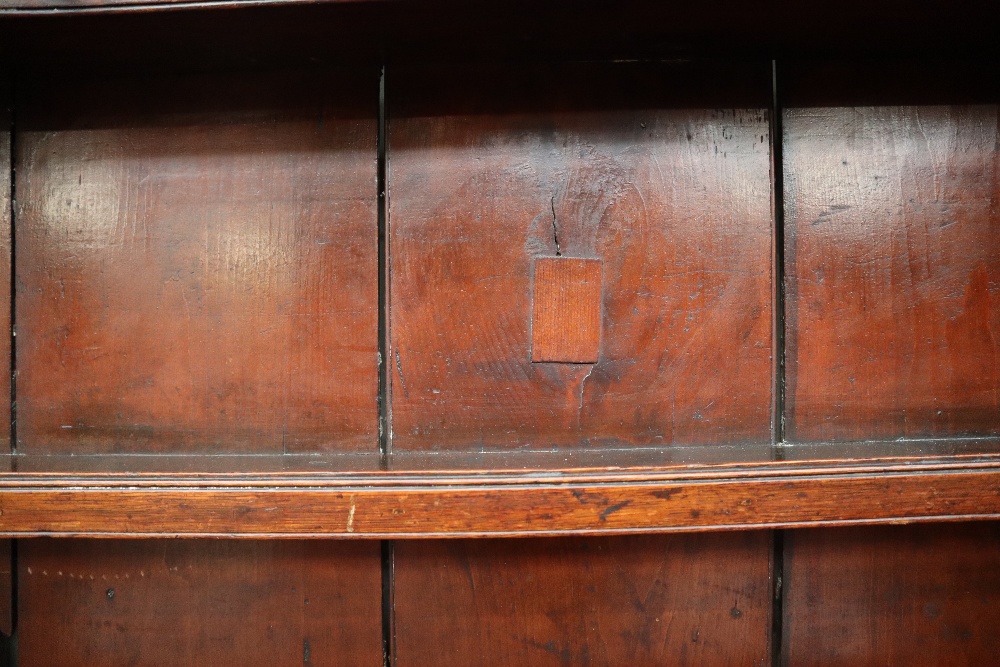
[[778, 295]]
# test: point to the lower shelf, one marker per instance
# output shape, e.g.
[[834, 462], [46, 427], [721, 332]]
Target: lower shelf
[[499, 494]]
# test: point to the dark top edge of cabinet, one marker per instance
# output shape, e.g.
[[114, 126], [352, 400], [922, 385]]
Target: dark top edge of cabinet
[[241, 32]]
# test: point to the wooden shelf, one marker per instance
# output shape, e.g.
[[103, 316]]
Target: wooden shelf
[[262, 73], [348, 497]]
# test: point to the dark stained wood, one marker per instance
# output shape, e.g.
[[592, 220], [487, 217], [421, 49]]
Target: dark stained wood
[[154, 40], [675, 201], [6, 574], [6, 588], [513, 29], [708, 461], [652, 459], [530, 503], [5, 256], [185, 602], [927, 595], [566, 310], [653, 600], [695, 461], [78, 4], [234, 466], [926, 80], [892, 271], [197, 264]]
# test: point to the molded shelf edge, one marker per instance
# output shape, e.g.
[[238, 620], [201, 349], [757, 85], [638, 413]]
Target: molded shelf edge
[[451, 505]]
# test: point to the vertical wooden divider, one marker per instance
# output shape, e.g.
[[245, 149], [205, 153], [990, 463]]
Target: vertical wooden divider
[[777, 350], [387, 547], [6, 238]]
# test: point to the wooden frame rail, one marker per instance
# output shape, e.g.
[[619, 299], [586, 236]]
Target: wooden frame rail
[[295, 502]]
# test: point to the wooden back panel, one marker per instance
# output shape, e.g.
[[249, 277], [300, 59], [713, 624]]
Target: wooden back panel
[[649, 600], [197, 263], [206, 602], [892, 271], [635, 166], [915, 595]]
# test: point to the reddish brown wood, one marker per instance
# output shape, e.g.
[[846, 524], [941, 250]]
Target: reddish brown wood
[[566, 310], [197, 264], [531, 503], [892, 268], [525, 164], [679, 600], [927, 595], [176, 602]]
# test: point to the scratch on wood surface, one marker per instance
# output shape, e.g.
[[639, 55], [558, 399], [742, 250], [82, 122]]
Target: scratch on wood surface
[[350, 517], [402, 380], [583, 385]]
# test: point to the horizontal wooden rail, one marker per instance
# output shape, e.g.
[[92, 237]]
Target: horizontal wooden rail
[[43, 7], [459, 504]]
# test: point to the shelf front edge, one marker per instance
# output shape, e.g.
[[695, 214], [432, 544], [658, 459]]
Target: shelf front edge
[[444, 508]]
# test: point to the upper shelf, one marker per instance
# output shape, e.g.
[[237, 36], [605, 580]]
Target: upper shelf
[[249, 204], [451, 495]]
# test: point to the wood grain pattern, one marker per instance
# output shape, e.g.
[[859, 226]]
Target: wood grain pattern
[[520, 164], [892, 272], [566, 310], [177, 602], [197, 264], [527, 503], [679, 600], [927, 595]]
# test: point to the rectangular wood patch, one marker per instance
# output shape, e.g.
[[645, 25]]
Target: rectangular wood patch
[[566, 310]]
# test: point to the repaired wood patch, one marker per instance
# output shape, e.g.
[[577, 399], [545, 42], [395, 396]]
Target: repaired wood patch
[[566, 310]]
